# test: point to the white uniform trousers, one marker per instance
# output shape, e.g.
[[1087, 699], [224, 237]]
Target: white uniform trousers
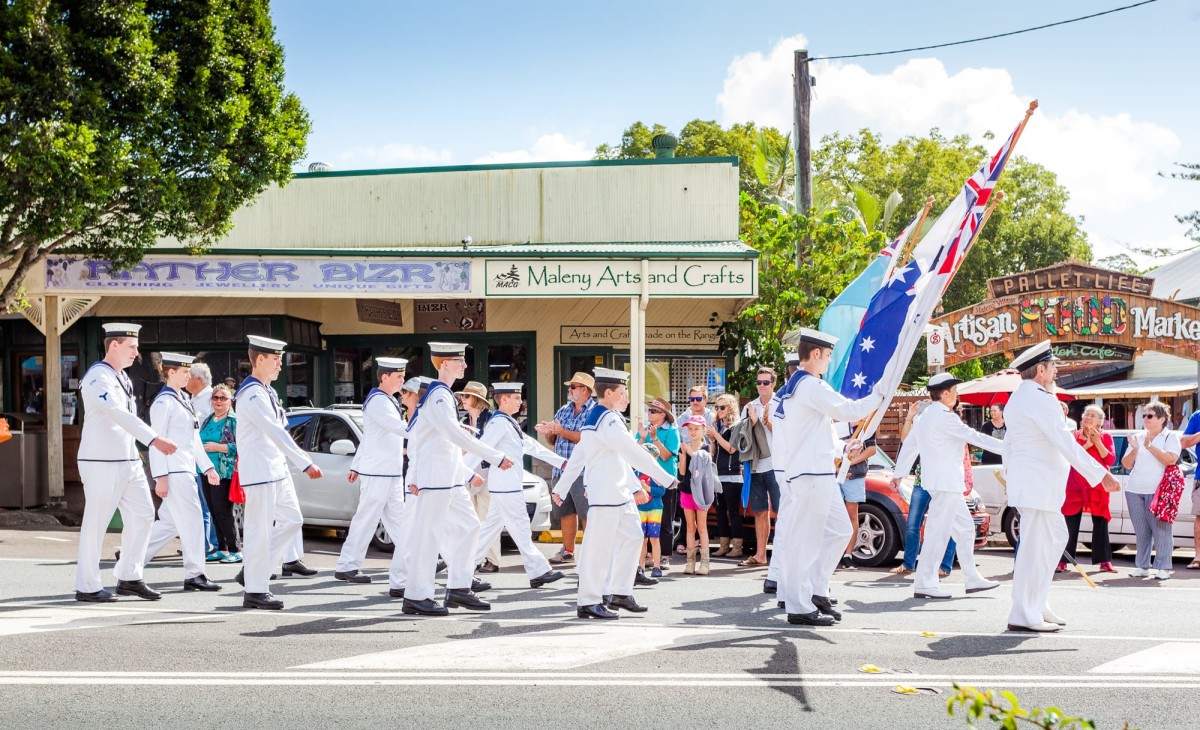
[[491, 548], [108, 487], [442, 521], [608, 560], [401, 541], [818, 529], [379, 499], [272, 527], [508, 511], [295, 550], [948, 517], [1043, 538], [779, 544], [180, 515]]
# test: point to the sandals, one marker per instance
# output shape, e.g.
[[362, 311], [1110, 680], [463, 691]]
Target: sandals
[[899, 570], [751, 562], [1194, 565]]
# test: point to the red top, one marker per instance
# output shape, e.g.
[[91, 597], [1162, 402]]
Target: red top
[[1080, 494]]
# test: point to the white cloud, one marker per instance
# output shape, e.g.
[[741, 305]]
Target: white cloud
[[1108, 163], [555, 147], [392, 155]]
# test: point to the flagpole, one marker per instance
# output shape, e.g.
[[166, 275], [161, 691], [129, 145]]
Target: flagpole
[[911, 243]]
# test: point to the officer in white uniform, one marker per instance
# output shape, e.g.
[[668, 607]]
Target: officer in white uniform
[[443, 519], [1039, 451], [813, 517], [606, 450], [172, 415], [272, 516], [506, 508], [378, 468], [940, 437], [111, 470]]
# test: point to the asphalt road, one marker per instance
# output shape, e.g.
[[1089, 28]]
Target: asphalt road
[[712, 652]]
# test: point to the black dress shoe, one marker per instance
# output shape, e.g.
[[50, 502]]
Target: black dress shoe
[[264, 601], [441, 565], [396, 592], [627, 603], [548, 577], [596, 611], [100, 596], [351, 576], [480, 585], [605, 599], [781, 604], [642, 579], [137, 588], [459, 598], [488, 567], [425, 607], [825, 607], [241, 577], [770, 586], [200, 583], [810, 619], [297, 567]]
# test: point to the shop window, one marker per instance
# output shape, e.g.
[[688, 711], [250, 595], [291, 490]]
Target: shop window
[[673, 377], [260, 326], [31, 388], [201, 330], [510, 364], [148, 335], [229, 329], [300, 378]]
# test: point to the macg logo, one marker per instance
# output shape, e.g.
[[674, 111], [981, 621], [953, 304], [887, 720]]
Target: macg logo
[[510, 279]]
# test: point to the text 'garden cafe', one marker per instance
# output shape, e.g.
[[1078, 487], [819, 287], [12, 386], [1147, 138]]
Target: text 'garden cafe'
[[543, 269]]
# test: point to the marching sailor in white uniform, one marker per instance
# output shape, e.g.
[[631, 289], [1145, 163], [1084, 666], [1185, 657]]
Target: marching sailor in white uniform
[[443, 519], [506, 508], [112, 472], [605, 453], [939, 437], [272, 516], [172, 415], [813, 517], [1039, 451], [378, 468]]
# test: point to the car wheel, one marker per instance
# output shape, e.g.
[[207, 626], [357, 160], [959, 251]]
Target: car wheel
[[239, 521], [381, 540], [878, 537], [1011, 524]]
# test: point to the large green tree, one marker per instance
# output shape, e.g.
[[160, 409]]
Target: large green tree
[[122, 121]]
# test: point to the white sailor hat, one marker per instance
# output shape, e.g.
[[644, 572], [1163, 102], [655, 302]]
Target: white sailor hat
[[1041, 352], [174, 359], [121, 329], [447, 349], [414, 385], [943, 380], [604, 375], [266, 344], [814, 337], [501, 388], [390, 364], [792, 358]]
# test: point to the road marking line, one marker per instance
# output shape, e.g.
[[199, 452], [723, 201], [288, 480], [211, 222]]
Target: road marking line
[[1169, 658], [51, 539]]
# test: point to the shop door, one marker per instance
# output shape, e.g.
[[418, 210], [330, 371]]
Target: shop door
[[571, 360]]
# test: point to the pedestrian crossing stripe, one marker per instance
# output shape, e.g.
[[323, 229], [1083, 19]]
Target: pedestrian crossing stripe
[[1168, 658]]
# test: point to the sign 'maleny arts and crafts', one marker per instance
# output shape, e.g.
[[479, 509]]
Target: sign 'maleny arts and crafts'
[[1086, 323], [574, 278]]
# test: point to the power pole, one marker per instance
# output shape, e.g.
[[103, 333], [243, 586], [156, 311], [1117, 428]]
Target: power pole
[[802, 96]]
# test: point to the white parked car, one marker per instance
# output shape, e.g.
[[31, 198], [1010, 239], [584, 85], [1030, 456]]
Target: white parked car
[[1120, 528], [331, 436]]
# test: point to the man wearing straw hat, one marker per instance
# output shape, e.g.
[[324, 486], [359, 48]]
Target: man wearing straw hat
[[563, 433]]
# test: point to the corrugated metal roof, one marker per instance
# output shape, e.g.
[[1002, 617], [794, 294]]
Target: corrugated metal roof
[[604, 250], [1179, 278], [1138, 388]]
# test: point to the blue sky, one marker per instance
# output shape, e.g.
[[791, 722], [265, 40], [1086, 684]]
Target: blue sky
[[395, 84]]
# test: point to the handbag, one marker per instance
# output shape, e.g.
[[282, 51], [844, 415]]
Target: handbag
[[237, 495], [1165, 504]]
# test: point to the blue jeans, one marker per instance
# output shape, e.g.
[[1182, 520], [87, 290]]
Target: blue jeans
[[210, 529], [918, 505]]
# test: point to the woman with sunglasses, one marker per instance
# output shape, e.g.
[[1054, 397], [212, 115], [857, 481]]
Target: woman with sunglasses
[[218, 434], [729, 471], [1147, 458]]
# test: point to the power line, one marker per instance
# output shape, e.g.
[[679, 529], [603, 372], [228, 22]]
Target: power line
[[987, 37]]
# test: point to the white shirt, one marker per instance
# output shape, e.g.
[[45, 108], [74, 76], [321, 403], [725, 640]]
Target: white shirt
[[763, 465], [202, 403], [805, 443], [604, 455], [172, 416], [503, 433], [938, 436], [110, 422], [436, 441], [381, 453], [264, 445], [1147, 470]]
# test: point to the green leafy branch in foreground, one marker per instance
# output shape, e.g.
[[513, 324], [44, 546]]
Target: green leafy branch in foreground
[[991, 705]]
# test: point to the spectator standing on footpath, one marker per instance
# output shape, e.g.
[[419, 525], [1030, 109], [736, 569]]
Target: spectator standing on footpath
[[662, 439], [729, 471], [563, 434], [1191, 436], [995, 428], [854, 490], [218, 433], [1149, 454], [1083, 497], [695, 515], [764, 489]]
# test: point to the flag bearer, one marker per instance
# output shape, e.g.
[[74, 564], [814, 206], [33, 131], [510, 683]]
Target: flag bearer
[[939, 437], [813, 520], [443, 519], [272, 517], [173, 415], [506, 508], [111, 470], [613, 540], [378, 468]]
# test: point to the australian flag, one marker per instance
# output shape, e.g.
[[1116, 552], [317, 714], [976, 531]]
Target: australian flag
[[879, 335]]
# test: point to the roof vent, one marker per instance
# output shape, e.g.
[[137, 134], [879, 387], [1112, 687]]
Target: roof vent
[[664, 145], [319, 167]]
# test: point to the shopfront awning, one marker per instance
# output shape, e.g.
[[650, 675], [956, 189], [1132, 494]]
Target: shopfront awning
[[1139, 388]]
